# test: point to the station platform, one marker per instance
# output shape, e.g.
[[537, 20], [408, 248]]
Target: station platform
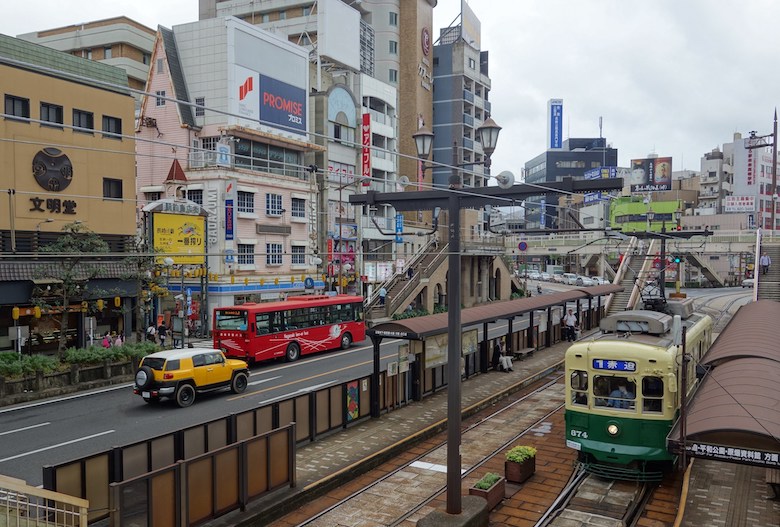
[[341, 464]]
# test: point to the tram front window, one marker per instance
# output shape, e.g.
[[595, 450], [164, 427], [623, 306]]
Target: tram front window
[[579, 387], [620, 392]]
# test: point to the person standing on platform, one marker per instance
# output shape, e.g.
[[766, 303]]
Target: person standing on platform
[[765, 261], [570, 322]]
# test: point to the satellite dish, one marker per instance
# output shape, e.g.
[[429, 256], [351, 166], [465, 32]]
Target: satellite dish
[[505, 179], [403, 181]]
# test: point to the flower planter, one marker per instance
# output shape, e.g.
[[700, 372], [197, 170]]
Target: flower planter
[[493, 495], [519, 472]]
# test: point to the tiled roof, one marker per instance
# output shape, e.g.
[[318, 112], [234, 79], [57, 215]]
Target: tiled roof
[[86, 71], [29, 271]]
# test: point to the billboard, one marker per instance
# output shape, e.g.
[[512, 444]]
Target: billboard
[[651, 174], [282, 104], [365, 134], [598, 173], [555, 123], [739, 204], [179, 236], [470, 26]]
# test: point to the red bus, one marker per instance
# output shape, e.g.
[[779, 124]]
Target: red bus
[[289, 328]]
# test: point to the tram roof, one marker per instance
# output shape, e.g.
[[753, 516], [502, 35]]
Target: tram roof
[[419, 328], [737, 405]]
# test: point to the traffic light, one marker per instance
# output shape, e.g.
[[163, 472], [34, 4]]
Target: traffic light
[[677, 258]]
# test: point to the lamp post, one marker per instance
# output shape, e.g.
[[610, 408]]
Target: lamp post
[[488, 136]]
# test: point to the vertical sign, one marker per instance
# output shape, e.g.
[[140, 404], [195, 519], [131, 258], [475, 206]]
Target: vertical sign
[[229, 229], [399, 228], [366, 135], [555, 122], [542, 213]]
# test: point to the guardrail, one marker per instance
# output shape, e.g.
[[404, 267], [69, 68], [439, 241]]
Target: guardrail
[[21, 505]]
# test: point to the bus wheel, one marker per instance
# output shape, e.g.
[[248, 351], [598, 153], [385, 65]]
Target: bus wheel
[[293, 352], [346, 341]]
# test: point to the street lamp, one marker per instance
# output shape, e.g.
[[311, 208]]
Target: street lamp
[[38, 227], [423, 139]]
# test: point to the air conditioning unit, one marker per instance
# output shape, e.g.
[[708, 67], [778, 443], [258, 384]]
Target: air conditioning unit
[[151, 122]]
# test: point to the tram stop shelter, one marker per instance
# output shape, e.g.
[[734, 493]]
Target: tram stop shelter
[[428, 334], [734, 414]]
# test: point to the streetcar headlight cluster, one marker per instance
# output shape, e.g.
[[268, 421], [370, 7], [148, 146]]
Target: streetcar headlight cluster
[[613, 429]]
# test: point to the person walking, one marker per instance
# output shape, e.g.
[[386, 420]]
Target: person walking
[[570, 321], [765, 261], [118, 342], [151, 332], [162, 332], [410, 272], [382, 295]]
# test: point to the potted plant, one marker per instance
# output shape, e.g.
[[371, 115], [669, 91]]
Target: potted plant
[[520, 463], [492, 487]]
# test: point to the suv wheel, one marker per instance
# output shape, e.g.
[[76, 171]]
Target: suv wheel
[[144, 377], [293, 352], [346, 341], [185, 395], [239, 382]]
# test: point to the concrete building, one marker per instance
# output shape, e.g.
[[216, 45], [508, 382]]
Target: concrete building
[[235, 144], [118, 41], [85, 109]]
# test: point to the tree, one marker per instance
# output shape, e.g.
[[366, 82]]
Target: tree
[[71, 271]]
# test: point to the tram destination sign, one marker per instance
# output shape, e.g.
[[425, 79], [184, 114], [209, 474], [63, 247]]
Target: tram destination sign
[[614, 365]]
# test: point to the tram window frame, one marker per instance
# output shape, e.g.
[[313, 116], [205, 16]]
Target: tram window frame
[[652, 401], [579, 387], [613, 381]]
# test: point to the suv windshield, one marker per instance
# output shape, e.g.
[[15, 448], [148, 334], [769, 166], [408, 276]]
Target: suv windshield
[[155, 363]]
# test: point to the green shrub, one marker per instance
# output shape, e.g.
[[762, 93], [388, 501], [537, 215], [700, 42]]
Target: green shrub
[[487, 481], [11, 365], [98, 354], [520, 453]]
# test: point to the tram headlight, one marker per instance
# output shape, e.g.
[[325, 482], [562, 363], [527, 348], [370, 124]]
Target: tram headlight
[[613, 429]]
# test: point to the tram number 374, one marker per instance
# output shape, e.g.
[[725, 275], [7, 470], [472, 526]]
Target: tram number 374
[[579, 433]]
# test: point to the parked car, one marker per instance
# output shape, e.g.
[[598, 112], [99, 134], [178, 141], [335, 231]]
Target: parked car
[[558, 278], [546, 277], [586, 281], [749, 282], [534, 275], [179, 374], [600, 281], [569, 278]]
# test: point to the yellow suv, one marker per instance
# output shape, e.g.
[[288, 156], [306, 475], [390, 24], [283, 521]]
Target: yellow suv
[[181, 373]]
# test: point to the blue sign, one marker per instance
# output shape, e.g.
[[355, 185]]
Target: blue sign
[[308, 283], [282, 104], [543, 213], [399, 228], [522, 246], [223, 154], [556, 124], [614, 365], [230, 256], [229, 219]]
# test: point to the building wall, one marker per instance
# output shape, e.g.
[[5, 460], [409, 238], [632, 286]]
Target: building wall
[[93, 156]]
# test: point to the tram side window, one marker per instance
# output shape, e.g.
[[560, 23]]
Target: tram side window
[[579, 387], [652, 394]]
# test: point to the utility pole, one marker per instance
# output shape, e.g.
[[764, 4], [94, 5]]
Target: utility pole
[[762, 141]]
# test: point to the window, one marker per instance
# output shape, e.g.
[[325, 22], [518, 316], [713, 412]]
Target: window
[[112, 188], [209, 143], [266, 18], [196, 196], [298, 254], [151, 196], [246, 202], [51, 113], [282, 15], [579, 387], [82, 119], [393, 75], [393, 47], [146, 59], [652, 394], [17, 106], [273, 254], [199, 103], [107, 54], [307, 10], [472, 63], [246, 254], [160, 94], [160, 66], [393, 19], [88, 54], [273, 205], [112, 125], [298, 208]]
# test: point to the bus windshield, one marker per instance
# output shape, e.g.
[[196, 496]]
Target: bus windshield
[[232, 319]]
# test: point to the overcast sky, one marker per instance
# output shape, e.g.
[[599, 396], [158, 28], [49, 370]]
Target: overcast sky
[[672, 77]]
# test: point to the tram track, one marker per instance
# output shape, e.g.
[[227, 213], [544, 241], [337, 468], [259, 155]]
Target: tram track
[[720, 308], [501, 428]]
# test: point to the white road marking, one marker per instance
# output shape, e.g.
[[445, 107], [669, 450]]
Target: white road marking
[[261, 381], [56, 446], [23, 429]]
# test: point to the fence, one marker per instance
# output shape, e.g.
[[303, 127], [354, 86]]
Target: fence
[[22, 505]]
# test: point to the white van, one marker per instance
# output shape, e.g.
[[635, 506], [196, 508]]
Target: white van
[[569, 278]]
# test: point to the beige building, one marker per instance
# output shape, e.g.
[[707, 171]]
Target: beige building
[[66, 156]]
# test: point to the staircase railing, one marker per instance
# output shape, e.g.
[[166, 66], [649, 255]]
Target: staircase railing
[[388, 284], [621, 272]]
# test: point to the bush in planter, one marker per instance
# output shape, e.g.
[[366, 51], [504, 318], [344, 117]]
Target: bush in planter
[[492, 487], [99, 354], [520, 463], [487, 481], [11, 366]]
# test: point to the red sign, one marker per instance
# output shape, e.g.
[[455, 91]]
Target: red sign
[[366, 142]]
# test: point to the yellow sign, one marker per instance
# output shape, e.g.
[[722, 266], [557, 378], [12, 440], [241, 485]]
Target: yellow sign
[[179, 236]]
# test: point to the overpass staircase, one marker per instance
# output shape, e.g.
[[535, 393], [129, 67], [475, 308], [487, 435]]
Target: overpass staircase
[[768, 285], [635, 275], [708, 272]]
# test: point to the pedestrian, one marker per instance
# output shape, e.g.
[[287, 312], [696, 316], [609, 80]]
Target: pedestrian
[[382, 295], [504, 359], [570, 322], [765, 261], [118, 342], [151, 332], [106, 340], [162, 332], [410, 272]]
